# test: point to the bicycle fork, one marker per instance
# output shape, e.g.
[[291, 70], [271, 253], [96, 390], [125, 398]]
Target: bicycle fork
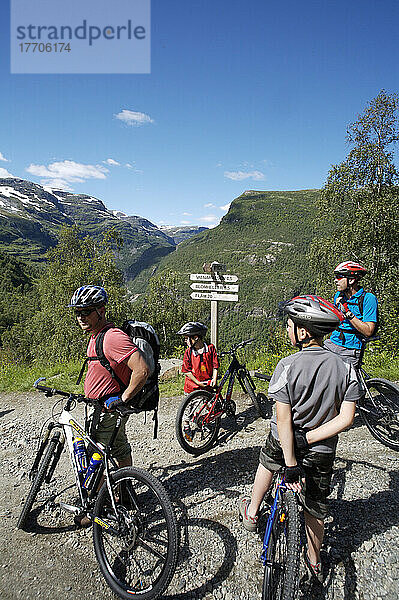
[[40, 452], [56, 457]]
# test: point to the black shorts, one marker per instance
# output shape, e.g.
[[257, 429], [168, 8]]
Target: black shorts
[[318, 471]]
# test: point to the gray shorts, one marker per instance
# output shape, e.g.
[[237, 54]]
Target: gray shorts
[[349, 355], [317, 467]]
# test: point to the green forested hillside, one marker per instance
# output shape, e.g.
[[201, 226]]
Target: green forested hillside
[[263, 239]]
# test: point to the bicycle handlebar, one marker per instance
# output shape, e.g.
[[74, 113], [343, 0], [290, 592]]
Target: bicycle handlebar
[[237, 346], [123, 410], [262, 376], [54, 392]]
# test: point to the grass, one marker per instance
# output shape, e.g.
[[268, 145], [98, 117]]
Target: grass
[[18, 377]]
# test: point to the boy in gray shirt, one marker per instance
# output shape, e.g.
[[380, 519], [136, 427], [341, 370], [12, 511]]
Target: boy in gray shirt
[[315, 394]]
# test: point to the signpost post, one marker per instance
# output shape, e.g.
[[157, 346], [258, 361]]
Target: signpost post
[[214, 286]]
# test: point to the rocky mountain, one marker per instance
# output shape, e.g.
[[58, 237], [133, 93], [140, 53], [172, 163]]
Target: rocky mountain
[[180, 234], [30, 216]]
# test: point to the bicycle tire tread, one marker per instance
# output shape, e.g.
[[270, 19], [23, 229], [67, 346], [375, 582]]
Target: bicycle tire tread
[[179, 426], [290, 584], [38, 481], [377, 384], [141, 475]]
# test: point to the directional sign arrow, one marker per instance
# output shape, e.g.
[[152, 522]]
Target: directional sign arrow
[[214, 296], [222, 278], [214, 287]]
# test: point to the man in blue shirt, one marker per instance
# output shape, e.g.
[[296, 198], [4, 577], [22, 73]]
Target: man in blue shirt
[[360, 309]]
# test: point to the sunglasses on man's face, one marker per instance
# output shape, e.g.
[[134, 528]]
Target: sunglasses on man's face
[[84, 312]]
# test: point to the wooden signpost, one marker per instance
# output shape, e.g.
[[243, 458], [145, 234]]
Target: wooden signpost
[[213, 286]]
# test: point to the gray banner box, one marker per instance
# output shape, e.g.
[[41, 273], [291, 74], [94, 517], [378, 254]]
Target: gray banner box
[[89, 36]]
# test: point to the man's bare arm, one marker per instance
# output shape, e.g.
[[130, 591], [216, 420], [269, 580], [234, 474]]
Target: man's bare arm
[[138, 377]]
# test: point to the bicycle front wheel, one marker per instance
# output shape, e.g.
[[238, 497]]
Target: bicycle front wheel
[[196, 427], [38, 480], [379, 410], [280, 580], [136, 548]]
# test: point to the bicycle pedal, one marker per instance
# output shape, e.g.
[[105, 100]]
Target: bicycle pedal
[[231, 409], [188, 435], [75, 510]]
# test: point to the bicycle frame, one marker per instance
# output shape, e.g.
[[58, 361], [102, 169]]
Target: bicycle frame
[[234, 370], [280, 488], [68, 425], [363, 375]]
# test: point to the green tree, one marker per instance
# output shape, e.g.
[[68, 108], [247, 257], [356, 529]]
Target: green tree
[[50, 333], [167, 309], [15, 291], [359, 206]]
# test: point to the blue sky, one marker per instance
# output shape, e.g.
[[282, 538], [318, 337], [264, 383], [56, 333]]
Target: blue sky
[[240, 96]]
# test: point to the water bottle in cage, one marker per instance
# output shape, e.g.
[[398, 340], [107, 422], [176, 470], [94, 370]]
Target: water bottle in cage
[[95, 461], [79, 450]]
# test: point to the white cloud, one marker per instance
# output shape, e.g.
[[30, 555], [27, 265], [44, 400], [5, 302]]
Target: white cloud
[[134, 168], [4, 173], [2, 157], [186, 214], [132, 118], [225, 207], [185, 223], [239, 175], [62, 174], [112, 162], [209, 205], [209, 219]]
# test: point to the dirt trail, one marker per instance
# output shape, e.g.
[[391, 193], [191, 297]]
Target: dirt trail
[[218, 559]]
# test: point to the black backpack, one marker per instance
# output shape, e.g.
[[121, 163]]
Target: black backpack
[[145, 338], [359, 302]]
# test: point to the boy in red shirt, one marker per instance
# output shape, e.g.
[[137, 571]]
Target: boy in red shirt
[[200, 361]]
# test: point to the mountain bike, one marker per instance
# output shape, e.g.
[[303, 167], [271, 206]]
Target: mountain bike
[[199, 415], [379, 406], [281, 545], [135, 532]]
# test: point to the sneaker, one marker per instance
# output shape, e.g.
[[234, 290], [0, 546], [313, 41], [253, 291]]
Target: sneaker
[[249, 523], [315, 571]]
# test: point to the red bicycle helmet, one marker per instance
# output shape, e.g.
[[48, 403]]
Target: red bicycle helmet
[[350, 269], [317, 315]]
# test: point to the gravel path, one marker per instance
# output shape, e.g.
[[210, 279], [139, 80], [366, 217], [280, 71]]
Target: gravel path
[[218, 559]]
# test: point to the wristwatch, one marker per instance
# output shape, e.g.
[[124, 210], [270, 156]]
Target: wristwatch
[[349, 315]]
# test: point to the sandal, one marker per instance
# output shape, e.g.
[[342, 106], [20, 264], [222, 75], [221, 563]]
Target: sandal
[[316, 570]]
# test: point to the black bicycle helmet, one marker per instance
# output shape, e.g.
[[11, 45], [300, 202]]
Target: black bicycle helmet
[[88, 295], [193, 328], [317, 315]]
